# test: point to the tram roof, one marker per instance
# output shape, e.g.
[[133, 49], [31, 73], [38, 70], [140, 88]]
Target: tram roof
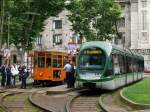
[[108, 47], [63, 51], [137, 54]]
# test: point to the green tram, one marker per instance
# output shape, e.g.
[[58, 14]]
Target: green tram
[[103, 65]]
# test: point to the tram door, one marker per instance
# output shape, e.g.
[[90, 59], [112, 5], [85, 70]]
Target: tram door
[[58, 61], [57, 66]]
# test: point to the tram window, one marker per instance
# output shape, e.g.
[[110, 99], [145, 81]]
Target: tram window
[[129, 65], [134, 65], [122, 64], [139, 66], [57, 61], [116, 64], [41, 55], [41, 62], [56, 73], [109, 70], [35, 62], [48, 60], [65, 60], [92, 59]]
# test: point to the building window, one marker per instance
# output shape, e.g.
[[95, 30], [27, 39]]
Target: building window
[[58, 24], [144, 20], [39, 40], [57, 39], [144, 3], [144, 36]]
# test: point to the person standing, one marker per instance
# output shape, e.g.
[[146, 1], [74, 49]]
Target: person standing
[[20, 71], [24, 75], [72, 75], [3, 73], [8, 73], [14, 71], [68, 68]]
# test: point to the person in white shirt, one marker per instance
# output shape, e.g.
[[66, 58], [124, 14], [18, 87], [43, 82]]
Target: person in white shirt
[[15, 72], [68, 69]]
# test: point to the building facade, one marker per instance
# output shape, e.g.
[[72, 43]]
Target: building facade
[[140, 28], [134, 27], [58, 35]]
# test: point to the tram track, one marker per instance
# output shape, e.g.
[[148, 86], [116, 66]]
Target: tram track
[[17, 101], [84, 102], [37, 100]]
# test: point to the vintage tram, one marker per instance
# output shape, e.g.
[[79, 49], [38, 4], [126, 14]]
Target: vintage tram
[[48, 66], [103, 65]]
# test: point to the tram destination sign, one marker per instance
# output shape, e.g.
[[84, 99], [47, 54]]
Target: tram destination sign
[[93, 51]]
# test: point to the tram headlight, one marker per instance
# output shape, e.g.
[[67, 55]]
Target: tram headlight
[[40, 74]]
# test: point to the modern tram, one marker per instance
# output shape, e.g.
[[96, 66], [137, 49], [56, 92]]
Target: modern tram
[[103, 65], [48, 66]]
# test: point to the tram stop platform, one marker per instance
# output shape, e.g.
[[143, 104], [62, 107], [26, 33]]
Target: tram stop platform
[[53, 99], [62, 89]]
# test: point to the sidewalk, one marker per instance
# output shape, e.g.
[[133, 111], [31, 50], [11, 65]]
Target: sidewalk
[[147, 75], [18, 83]]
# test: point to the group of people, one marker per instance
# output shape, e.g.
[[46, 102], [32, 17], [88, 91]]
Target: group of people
[[9, 74], [70, 73]]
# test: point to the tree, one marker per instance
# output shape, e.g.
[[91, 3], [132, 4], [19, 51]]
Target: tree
[[94, 19], [27, 20], [1, 20]]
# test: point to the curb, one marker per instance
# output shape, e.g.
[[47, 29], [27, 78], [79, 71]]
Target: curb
[[130, 101], [67, 107], [60, 92], [34, 103], [101, 104]]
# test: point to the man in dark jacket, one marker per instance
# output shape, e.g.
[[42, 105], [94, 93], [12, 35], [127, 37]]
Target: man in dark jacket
[[3, 73], [72, 76], [9, 75], [24, 74]]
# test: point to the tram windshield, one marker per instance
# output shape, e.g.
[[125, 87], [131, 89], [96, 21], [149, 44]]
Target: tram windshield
[[92, 59]]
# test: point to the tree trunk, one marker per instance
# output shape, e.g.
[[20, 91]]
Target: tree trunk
[[22, 53], [2, 22]]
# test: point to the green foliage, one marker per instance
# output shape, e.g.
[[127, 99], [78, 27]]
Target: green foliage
[[139, 92], [94, 19], [27, 19]]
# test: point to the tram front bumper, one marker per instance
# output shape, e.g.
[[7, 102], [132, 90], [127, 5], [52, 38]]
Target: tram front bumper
[[80, 84]]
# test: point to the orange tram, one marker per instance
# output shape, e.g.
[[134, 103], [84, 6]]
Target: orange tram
[[48, 66]]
